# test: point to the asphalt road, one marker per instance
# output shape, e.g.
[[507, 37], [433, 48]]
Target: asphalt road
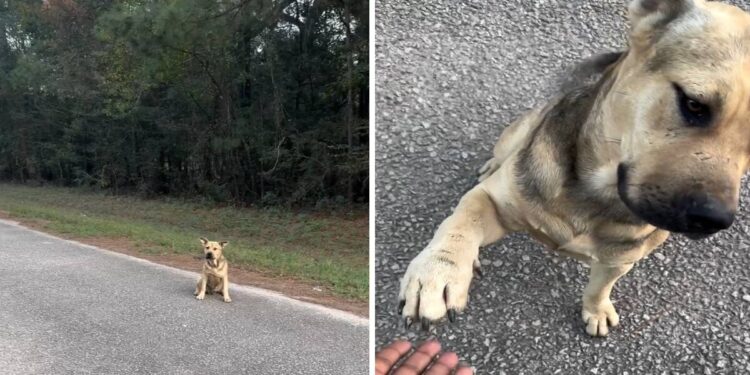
[[450, 75], [68, 308]]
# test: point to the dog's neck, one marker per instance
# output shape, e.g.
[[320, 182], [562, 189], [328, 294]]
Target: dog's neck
[[572, 156], [599, 141], [215, 262], [602, 135]]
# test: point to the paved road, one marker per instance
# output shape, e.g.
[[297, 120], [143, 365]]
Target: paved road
[[68, 308], [450, 74]]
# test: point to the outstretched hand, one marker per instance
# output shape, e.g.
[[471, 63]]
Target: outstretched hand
[[426, 355]]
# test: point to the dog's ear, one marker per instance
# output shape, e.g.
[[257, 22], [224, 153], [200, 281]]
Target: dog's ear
[[648, 18], [223, 244], [204, 241]]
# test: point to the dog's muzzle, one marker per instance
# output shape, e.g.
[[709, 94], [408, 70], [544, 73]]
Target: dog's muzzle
[[696, 215], [704, 214], [209, 256]]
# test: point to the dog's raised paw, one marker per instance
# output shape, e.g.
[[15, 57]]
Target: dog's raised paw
[[434, 286], [600, 318]]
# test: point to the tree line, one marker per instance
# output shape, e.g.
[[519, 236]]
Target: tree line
[[243, 101]]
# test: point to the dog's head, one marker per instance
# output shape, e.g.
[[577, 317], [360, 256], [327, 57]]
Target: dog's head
[[681, 102], [213, 250]]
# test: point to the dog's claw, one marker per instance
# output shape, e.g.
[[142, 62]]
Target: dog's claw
[[452, 315], [477, 268], [401, 305], [408, 321], [425, 324]]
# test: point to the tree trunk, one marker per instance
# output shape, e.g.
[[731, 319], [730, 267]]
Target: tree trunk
[[349, 101]]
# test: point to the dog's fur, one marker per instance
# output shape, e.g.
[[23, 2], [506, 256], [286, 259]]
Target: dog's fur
[[215, 275], [606, 170]]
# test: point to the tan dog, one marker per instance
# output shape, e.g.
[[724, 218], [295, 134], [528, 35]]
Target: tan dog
[[605, 171], [215, 275]]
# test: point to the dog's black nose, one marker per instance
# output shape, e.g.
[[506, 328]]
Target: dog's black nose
[[704, 214], [209, 255]]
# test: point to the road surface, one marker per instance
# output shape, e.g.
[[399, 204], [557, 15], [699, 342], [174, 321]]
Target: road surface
[[68, 308], [450, 75]]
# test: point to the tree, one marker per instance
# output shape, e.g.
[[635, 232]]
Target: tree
[[261, 101]]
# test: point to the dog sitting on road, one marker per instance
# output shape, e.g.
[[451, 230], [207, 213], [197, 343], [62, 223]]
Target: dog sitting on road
[[215, 274], [606, 170]]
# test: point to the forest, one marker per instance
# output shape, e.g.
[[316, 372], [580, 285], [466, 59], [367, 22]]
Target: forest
[[248, 102]]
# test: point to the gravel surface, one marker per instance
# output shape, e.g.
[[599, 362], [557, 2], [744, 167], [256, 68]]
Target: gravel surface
[[450, 75], [72, 309]]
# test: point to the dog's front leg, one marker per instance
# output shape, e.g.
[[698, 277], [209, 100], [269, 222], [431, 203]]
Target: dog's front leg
[[437, 280], [225, 288], [598, 311], [200, 291]]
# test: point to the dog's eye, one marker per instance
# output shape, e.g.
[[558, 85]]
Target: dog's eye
[[694, 106], [694, 112]]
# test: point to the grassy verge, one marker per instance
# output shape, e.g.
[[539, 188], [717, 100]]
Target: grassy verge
[[328, 249]]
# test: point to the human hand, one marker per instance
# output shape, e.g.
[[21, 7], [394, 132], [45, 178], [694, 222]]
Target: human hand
[[426, 355]]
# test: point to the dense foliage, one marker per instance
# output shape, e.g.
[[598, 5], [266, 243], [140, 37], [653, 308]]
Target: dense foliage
[[246, 101]]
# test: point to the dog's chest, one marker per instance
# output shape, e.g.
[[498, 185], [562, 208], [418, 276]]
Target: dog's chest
[[217, 271], [563, 240], [602, 242]]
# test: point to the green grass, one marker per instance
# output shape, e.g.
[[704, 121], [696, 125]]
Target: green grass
[[328, 249]]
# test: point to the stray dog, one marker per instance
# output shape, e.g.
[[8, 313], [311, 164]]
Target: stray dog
[[215, 275], [606, 170]]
